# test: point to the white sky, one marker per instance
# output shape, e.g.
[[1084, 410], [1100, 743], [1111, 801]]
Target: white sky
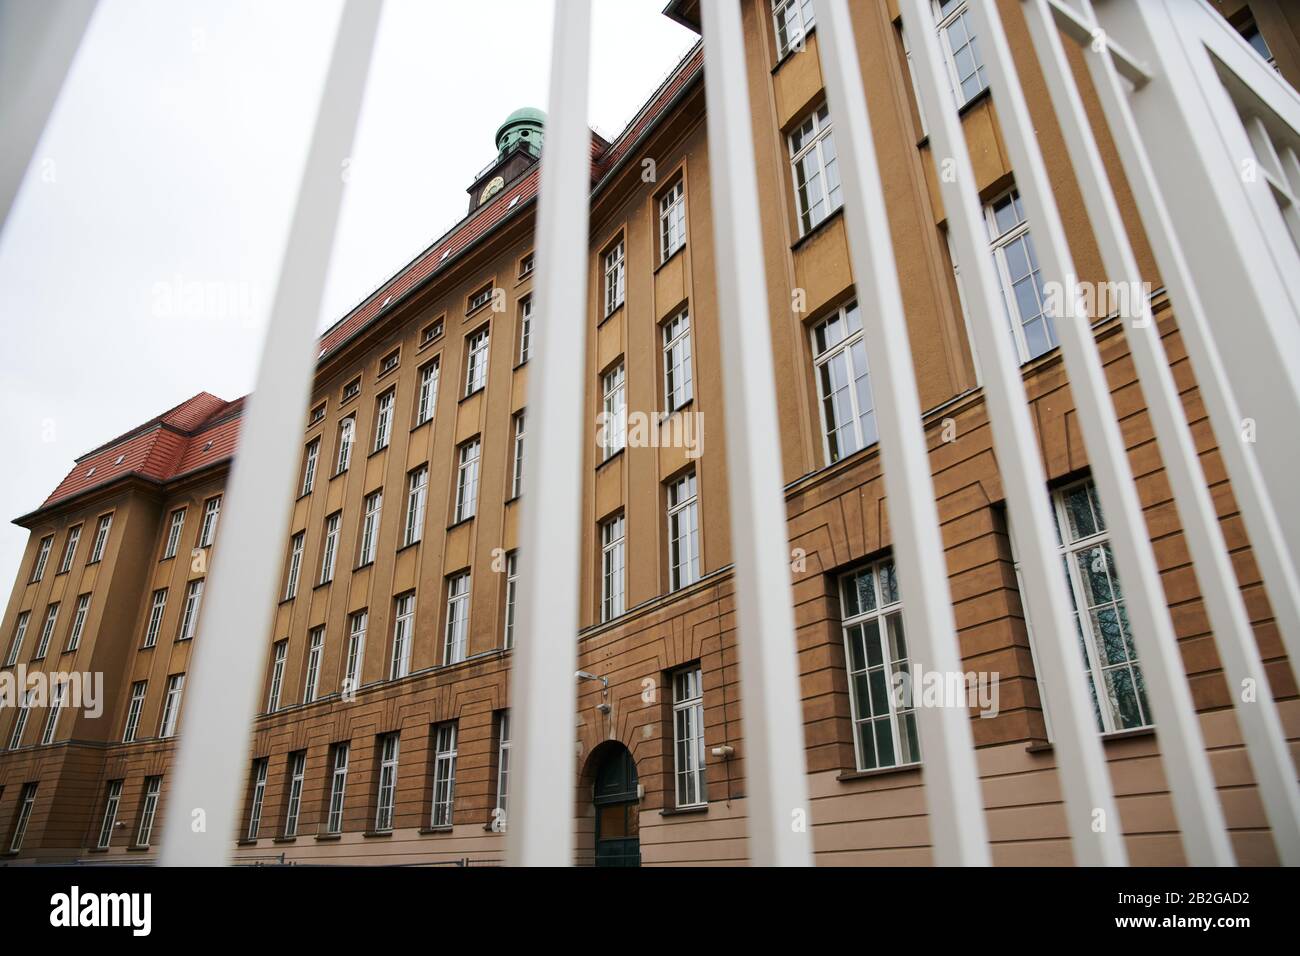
[[140, 257]]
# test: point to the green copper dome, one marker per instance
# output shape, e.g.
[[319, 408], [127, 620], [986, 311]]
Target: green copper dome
[[523, 125]]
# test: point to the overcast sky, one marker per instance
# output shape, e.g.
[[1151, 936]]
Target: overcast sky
[[140, 257]]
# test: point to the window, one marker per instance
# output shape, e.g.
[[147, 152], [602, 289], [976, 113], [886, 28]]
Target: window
[[370, 527], [42, 556], [816, 170], [259, 792], [1019, 276], [309, 467], [525, 329], [57, 700], [174, 533], [317, 415], [280, 651], [512, 590], [331, 550], [503, 763], [966, 70], [457, 636], [152, 787], [347, 434], [611, 568], [526, 265], [615, 277], [383, 419], [417, 490], [211, 512], [1116, 682], [1250, 33], [677, 361], [25, 804], [431, 333], [156, 608], [190, 616], [297, 771], [672, 221], [444, 774], [110, 814], [476, 365], [479, 299], [171, 705], [51, 618], [403, 631], [295, 565], [338, 785], [70, 549], [78, 623], [614, 411], [133, 713], [876, 649], [428, 394], [467, 480], [356, 652], [848, 411], [314, 653], [688, 737], [16, 644], [387, 782], [793, 19], [517, 478], [20, 720], [389, 361], [683, 533], [350, 391], [101, 539]]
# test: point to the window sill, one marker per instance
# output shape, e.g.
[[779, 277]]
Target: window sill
[[676, 252], [519, 365], [479, 308], [98, 849], [322, 584], [289, 600], [847, 776], [326, 837], [468, 395], [284, 839], [684, 811], [407, 547], [377, 834], [613, 456], [338, 474], [377, 451], [386, 372], [363, 565], [246, 842], [136, 848], [793, 51], [418, 425], [815, 230], [425, 831], [611, 313], [462, 521], [665, 415], [979, 97], [1046, 746]]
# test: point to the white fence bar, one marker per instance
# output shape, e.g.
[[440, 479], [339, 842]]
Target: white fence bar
[[1081, 762], [1185, 761], [1261, 726], [229, 659], [1258, 509], [952, 785], [776, 783], [543, 691]]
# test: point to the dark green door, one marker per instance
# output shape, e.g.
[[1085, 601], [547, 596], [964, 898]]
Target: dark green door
[[617, 814]]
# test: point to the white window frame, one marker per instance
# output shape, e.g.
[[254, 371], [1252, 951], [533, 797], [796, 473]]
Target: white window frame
[[297, 776], [614, 410], [138, 691], [944, 23], [42, 556], [478, 347], [791, 21], [190, 615], [525, 328], [152, 788], [338, 787], [260, 768], [417, 493], [427, 401], [347, 436], [456, 637], [20, 720], [171, 705], [330, 550], [839, 357], [16, 642], [503, 766], [157, 608], [174, 532], [467, 474], [403, 636], [683, 524], [386, 795], [211, 514], [296, 544], [615, 260], [672, 220], [809, 145], [443, 806], [102, 529], [70, 549], [384, 419], [109, 820], [280, 653], [689, 768], [78, 623], [26, 802], [517, 459], [57, 699], [679, 377], [315, 653], [373, 504], [999, 243], [357, 625], [876, 675], [512, 589], [612, 567], [310, 457], [47, 631]]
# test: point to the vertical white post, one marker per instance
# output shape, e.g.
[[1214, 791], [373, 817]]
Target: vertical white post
[[1186, 763], [1085, 779], [543, 688], [952, 783], [230, 655], [772, 709]]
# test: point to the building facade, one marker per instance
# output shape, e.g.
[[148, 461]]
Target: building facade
[[384, 734]]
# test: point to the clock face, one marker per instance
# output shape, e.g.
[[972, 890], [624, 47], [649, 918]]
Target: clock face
[[491, 189]]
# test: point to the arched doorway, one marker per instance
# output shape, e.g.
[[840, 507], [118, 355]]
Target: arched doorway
[[617, 809]]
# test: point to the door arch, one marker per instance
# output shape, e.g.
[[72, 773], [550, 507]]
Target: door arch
[[616, 797]]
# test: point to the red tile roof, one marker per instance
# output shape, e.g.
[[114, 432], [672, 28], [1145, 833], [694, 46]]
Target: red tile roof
[[203, 430]]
